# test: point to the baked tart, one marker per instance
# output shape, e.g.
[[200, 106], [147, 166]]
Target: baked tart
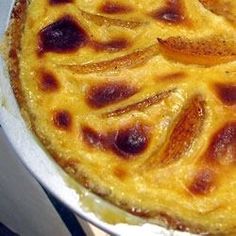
[[136, 100]]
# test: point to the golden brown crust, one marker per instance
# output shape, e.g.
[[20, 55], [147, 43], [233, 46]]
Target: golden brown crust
[[157, 217], [14, 34]]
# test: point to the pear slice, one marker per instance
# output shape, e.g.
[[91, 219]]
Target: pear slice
[[131, 60], [207, 52]]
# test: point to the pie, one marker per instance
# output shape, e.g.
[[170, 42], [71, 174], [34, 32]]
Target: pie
[[136, 100]]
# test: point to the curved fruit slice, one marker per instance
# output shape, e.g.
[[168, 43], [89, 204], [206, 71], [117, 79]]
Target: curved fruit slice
[[133, 59], [104, 20], [141, 105], [208, 52], [185, 131]]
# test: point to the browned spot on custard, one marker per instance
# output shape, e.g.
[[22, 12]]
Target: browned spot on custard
[[64, 35], [141, 105], [222, 148], [173, 12], [62, 119], [105, 94], [131, 60], [208, 52], [203, 182], [220, 7], [126, 142], [131, 141], [59, 2], [48, 82], [114, 7], [103, 20], [93, 138], [111, 46], [120, 173], [226, 93]]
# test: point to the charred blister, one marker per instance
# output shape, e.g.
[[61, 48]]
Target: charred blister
[[93, 138], [62, 119], [126, 142], [99, 96], [226, 93], [64, 35], [48, 82], [131, 141], [173, 12], [59, 2], [203, 182], [222, 149], [112, 7]]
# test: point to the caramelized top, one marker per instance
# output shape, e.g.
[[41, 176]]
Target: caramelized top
[[136, 101]]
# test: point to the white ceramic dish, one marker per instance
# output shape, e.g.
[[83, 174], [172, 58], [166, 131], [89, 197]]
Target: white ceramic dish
[[46, 170]]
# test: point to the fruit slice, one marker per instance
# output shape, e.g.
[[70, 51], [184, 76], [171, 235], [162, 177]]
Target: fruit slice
[[131, 60], [104, 20], [185, 131], [208, 52], [141, 105]]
